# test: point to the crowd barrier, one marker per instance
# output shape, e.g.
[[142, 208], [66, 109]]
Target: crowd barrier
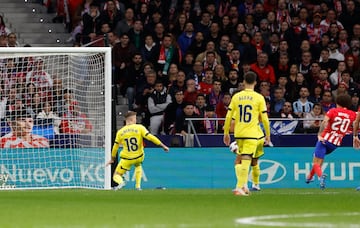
[[214, 168]]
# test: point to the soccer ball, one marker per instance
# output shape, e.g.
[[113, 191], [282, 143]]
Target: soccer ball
[[233, 147]]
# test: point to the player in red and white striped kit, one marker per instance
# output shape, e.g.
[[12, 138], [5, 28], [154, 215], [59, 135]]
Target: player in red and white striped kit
[[333, 128], [21, 133]]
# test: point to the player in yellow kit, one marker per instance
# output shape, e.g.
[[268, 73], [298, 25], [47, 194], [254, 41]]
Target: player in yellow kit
[[248, 108], [130, 138]]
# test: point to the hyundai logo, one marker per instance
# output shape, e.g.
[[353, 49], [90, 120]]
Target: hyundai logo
[[271, 171]]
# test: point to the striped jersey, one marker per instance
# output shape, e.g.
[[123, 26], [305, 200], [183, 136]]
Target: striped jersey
[[12, 141], [340, 121]]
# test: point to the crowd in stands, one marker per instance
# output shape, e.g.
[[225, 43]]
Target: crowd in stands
[[176, 59], [26, 87]]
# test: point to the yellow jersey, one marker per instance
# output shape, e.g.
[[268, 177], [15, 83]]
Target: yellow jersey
[[247, 108], [131, 138]]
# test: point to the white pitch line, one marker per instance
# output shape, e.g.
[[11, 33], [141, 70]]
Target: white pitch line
[[264, 220]]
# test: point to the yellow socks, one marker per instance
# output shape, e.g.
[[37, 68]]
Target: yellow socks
[[138, 175], [242, 173], [256, 174], [118, 178]]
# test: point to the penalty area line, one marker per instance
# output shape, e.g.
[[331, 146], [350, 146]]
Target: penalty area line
[[268, 220]]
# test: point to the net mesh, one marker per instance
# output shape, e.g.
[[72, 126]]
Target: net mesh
[[52, 120]]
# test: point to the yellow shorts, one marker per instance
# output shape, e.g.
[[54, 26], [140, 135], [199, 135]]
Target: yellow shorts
[[125, 164], [253, 147]]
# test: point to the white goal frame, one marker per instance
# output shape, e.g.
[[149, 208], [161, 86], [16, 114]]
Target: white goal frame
[[16, 51]]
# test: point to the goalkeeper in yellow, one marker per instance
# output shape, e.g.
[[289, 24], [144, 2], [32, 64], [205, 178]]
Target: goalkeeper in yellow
[[248, 108], [130, 138]]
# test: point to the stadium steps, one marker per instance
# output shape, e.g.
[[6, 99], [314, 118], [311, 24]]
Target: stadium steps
[[32, 24]]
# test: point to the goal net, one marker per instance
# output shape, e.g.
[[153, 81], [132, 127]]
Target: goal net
[[55, 115]]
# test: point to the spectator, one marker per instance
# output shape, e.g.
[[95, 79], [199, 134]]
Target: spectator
[[264, 70], [231, 84], [172, 74], [187, 63], [341, 89], [47, 115], [335, 77], [92, 22], [204, 24], [221, 110], [326, 63], [198, 45], [302, 105], [235, 37], [148, 50], [225, 23], [177, 85], [346, 78], [323, 80], [186, 38], [222, 49], [4, 30], [136, 34], [3, 41], [210, 47], [316, 94], [167, 53], [282, 65], [158, 33], [197, 74], [181, 125], [314, 30], [343, 42], [144, 14], [354, 51], [42, 79], [305, 65], [216, 95], [278, 101], [74, 121], [210, 125], [122, 54], [286, 112], [214, 34], [191, 92], [233, 62], [314, 117], [200, 104], [248, 52], [330, 18], [349, 17], [180, 25], [314, 71], [134, 74], [327, 101], [171, 111], [354, 102], [206, 85], [157, 103], [21, 124], [35, 106], [219, 73], [143, 91], [12, 41], [113, 39], [111, 14], [124, 25]]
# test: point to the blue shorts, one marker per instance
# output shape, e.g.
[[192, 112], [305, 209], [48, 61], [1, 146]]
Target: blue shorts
[[323, 148]]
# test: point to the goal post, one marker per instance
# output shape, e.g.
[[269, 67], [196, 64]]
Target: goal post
[[56, 117]]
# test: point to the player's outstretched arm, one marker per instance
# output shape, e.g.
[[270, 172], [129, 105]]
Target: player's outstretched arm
[[165, 148]]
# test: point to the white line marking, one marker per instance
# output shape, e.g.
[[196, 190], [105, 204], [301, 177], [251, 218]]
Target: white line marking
[[264, 220]]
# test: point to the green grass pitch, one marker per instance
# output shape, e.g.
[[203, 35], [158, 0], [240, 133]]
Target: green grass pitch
[[180, 208]]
